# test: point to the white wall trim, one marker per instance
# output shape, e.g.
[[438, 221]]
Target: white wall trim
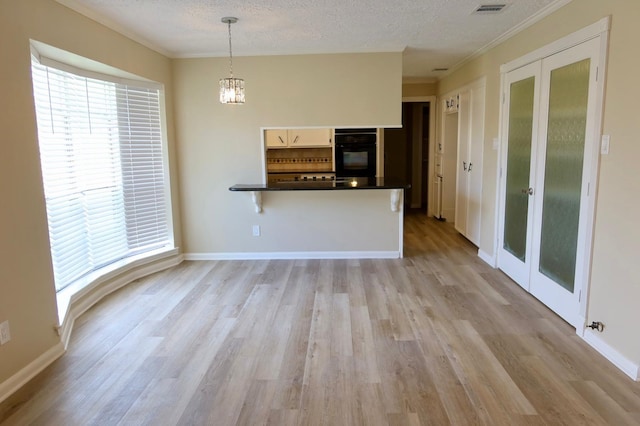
[[81, 301], [15, 382], [295, 255], [628, 367], [541, 14], [577, 37], [488, 258]]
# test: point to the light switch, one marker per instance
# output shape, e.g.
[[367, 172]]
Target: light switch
[[604, 146]]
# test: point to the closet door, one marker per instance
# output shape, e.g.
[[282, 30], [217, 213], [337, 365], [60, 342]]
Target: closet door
[[520, 129], [462, 177], [469, 168], [561, 208], [474, 168], [550, 136]]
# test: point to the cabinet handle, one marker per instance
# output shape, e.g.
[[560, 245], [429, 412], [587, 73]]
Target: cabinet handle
[[470, 164], [280, 137], [296, 139], [464, 166]]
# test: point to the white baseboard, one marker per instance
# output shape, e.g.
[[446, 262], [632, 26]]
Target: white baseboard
[[295, 255], [449, 215], [628, 367], [15, 382], [488, 258]]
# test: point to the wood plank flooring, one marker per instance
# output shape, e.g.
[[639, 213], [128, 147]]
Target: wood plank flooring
[[435, 338]]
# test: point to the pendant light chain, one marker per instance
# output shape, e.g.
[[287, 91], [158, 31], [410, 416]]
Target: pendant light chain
[[230, 51]]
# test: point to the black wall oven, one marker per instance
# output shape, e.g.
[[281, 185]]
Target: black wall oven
[[355, 152]]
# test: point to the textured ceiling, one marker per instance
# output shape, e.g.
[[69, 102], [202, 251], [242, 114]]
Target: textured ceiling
[[430, 33]]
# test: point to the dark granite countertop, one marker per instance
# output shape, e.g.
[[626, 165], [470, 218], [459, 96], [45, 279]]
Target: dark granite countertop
[[338, 184]]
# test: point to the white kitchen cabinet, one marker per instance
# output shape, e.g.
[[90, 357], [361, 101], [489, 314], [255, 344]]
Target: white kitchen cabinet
[[276, 138], [297, 138], [469, 165]]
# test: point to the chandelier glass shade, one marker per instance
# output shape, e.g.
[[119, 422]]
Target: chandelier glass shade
[[231, 90]]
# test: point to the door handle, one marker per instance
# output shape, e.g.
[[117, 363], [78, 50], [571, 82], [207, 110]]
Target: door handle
[[296, 139], [280, 137], [470, 164], [528, 191], [464, 166]]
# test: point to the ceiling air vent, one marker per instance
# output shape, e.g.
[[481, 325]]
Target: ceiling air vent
[[440, 69], [485, 9]]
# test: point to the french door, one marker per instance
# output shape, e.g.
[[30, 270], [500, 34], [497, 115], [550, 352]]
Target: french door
[[521, 106], [549, 124]]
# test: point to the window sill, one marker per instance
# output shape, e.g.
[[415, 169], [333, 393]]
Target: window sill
[[111, 277]]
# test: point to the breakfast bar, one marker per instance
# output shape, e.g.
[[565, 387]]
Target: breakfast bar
[[349, 184], [359, 217]]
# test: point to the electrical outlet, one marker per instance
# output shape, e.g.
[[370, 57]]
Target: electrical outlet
[[256, 230], [5, 333]]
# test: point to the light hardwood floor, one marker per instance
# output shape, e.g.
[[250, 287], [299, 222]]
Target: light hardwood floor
[[435, 338]]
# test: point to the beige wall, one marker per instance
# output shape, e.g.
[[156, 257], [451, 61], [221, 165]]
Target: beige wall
[[419, 89], [220, 145], [27, 296], [615, 281]]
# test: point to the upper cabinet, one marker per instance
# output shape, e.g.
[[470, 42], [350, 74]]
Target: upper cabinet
[[297, 138]]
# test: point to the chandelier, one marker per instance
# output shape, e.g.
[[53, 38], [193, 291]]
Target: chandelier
[[231, 89]]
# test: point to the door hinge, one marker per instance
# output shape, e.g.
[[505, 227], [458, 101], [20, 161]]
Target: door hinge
[[503, 97], [580, 296], [597, 73], [588, 188]]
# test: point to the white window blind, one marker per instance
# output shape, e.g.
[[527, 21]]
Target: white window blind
[[101, 151]]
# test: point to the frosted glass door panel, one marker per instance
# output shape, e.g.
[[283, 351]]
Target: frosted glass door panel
[[520, 127], [518, 167], [568, 96]]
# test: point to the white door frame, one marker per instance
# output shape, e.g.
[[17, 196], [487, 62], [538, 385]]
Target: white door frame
[[599, 29]]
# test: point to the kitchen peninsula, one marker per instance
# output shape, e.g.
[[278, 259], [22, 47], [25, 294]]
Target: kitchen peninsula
[[366, 215]]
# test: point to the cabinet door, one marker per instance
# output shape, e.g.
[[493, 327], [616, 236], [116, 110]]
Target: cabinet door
[[309, 138], [474, 168], [276, 138], [462, 176], [469, 167]]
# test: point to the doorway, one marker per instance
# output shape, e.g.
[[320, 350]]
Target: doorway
[[550, 127], [408, 152]]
